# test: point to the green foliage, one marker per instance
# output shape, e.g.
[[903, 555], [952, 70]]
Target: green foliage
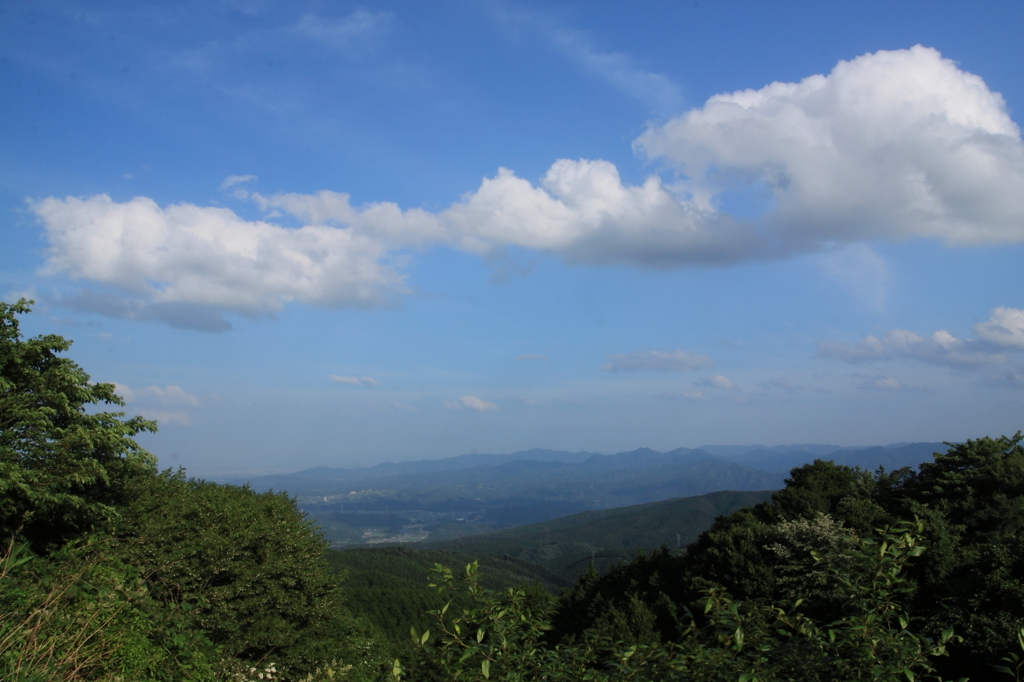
[[499, 636], [250, 566], [502, 637], [973, 500], [805, 549], [115, 572], [82, 614], [642, 602], [63, 468], [819, 487], [1014, 660], [385, 584]]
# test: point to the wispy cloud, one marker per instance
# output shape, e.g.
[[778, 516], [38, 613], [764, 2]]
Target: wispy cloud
[[717, 381], [882, 383], [357, 31], [620, 70], [782, 383], [530, 356], [859, 270], [471, 402], [353, 381], [657, 360], [171, 395], [232, 180], [154, 402], [1002, 332], [239, 193], [617, 68], [940, 348]]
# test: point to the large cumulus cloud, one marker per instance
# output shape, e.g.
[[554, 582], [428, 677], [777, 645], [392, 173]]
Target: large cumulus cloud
[[891, 145]]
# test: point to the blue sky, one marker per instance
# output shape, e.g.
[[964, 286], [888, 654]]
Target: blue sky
[[310, 233]]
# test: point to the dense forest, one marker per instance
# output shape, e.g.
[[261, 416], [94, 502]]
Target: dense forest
[[114, 570]]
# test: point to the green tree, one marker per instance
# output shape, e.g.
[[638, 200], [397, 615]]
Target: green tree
[[501, 638], [972, 498], [250, 566], [64, 468]]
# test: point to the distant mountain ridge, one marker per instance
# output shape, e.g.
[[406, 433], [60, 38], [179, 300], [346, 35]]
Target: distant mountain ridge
[[401, 502], [778, 459], [435, 465]]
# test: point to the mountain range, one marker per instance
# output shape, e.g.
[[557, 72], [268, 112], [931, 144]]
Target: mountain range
[[401, 502]]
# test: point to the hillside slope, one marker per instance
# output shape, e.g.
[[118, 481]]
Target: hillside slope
[[389, 585], [567, 545]]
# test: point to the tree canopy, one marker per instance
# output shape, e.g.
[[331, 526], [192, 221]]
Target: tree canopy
[[64, 467]]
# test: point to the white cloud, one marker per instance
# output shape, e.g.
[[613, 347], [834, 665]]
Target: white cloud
[[166, 417], [470, 402], [172, 395], [232, 180], [941, 348], [1005, 327], [883, 384], [717, 381], [891, 145], [153, 402], [186, 254], [530, 356], [660, 360], [584, 213], [694, 395], [383, 223], [581, 210], [354, 381], [239, 193]]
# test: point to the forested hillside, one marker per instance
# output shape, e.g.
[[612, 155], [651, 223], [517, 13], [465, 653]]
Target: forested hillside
[[114, 571], [388, 585], [569, 545]]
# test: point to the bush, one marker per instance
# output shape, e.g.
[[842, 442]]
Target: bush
[[250, 566], [82, 614]]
